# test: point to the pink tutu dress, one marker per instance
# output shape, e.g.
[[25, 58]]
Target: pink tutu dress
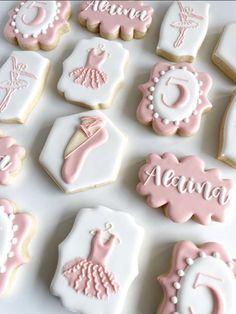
[[90, 275], [91, 75]]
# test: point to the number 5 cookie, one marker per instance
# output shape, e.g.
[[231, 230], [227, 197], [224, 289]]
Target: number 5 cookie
[[174, 99], [201, 280], [37, 25]]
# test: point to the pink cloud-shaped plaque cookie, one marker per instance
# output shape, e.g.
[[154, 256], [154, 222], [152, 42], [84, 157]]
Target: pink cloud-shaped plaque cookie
[[174, 99], [37, 25], [127, 19], [184, 188], [201, 280]]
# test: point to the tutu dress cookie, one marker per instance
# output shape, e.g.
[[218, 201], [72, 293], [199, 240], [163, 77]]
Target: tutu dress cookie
[[113, 19], [88, 153], [93, 73], [37, 25], [201, 280], [95, 275], [15, 232], [183, 30]]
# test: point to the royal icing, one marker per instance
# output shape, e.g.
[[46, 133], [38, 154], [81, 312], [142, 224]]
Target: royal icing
[[11, 157], [22, 77], [14, 230], [37, 24], [93, 72], [113, 18], [88, 154], [174, 99], [227, 151], [98, 261], [183, 30], [185, 188], [205, 273], [225, 51]]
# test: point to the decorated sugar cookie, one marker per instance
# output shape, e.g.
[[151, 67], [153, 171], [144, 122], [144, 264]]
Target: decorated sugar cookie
[[22, 79], [185, 188], [98, 261], [201, 280], [93, 73], [37, 25], [224, 53], [183, 30], [15, 231], [86, 154], [113, 19], [11, 158], [227, 151], [174, 99]]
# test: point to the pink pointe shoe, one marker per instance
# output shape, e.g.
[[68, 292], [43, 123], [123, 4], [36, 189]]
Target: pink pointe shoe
[[90, 135]]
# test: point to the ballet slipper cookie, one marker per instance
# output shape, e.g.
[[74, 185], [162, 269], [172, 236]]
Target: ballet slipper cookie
[[22, 79], [37, 25], [174, 99], [224, 53], [98, 261], [93, 73], [183, 30], [83, 151], [201, 280], [185, 188], [113, 19], [227, 150], [16, 230], [11, 159]]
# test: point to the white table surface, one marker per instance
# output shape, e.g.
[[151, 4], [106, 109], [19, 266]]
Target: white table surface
[[35, 192]]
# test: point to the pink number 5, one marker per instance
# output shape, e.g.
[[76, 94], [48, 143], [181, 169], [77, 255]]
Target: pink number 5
[[39, 17]]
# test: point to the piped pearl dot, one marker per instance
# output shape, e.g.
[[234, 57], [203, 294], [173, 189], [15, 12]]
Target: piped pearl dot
[[17, 9], [150, 97], [200, 92], [13, 23], [11, 216], [16, 30], [230, 265], [216, 254], [186, 120], [156, 80], [56, 18], [151, 107], [14, 17], [165, 121], [25, 35], [11, 254], [174, 300], [177, 285], [199, 101], [202, 254], [35, 35], [195, 74], [200, 83], [14, 241], [44, 31], [3, 269], [180, 272], [172, 67], [162, 72], [184, 68], [51, 25], [15, 228], [176, 122], [58, 4], [156, 115], [176, 313], [152, 88], [189, 261], [22, 3], [195, 112]]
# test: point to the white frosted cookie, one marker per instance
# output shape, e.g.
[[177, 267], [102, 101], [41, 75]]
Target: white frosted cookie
[[98, 261], [227, 149], [83, 151], [183, 30], [225, 51], [93, 72], [22, 79]]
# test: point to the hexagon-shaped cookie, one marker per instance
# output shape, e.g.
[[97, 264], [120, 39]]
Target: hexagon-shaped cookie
[[83, 151]]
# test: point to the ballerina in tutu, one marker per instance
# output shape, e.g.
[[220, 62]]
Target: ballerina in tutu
[[90, 134], [186, 22], [90, 275], [91, 74]]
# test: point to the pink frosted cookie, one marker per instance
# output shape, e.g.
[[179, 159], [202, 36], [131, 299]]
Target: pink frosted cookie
[[185, 188], [15, 232], [11, 158], [201, 280], [127, 19], [174, 99], [37, 25]]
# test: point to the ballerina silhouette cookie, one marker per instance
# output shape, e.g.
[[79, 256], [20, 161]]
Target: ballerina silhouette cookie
[[83, 151], [90, 134], [98, 261], [22, 80], [183, 30], [93, 73]]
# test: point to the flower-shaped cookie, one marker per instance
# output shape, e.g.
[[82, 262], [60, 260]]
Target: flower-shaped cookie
[[38, 24], [11, 157], [174, 99], [201, 280]]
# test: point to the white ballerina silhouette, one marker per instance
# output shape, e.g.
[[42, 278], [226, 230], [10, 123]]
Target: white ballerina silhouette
[[15, 82], [186, 22]]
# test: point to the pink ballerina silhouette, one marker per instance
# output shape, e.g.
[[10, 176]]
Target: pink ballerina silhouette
[[90, 275], [15, 82], [186, 22], [91, 74]]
